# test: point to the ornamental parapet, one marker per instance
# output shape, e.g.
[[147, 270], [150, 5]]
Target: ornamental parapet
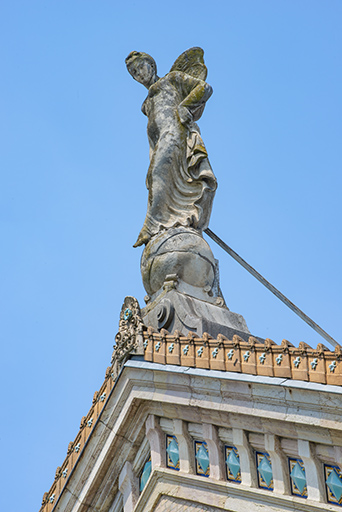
[[252, 357]]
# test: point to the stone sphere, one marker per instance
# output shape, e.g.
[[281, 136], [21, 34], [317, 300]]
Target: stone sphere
[[181, 251]]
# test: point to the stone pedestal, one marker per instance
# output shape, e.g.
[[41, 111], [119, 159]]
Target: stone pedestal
[[173, 310], [181, 277], [180, 253]]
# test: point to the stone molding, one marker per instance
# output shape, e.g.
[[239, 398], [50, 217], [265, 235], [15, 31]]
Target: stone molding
[[128, 487], [75, 447], [215, 494], [186, 485], [225, 404], [301, 363], [128, 341]]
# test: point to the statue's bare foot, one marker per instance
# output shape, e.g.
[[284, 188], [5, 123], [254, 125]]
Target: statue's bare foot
[[143, 238]]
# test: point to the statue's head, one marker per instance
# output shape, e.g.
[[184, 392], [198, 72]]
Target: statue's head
[[142, 67]]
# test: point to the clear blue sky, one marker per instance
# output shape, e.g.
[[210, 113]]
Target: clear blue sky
[[74, 156]]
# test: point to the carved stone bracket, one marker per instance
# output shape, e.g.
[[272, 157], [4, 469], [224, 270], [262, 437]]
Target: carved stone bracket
[[129, 339], [285, 345], [338, 352]]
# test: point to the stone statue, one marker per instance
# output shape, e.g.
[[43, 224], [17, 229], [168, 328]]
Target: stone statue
[[179, 271], [180, 180], [181, 184]]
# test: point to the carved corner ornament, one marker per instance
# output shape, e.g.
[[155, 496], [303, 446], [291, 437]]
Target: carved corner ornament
[[129, 340], [338, 351], [285, 345], [252, 342], [237, 340]]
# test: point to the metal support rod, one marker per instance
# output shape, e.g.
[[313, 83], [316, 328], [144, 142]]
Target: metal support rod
[[270, 287]]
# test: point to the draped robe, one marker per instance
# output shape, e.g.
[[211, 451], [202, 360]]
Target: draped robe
[[180, 182]]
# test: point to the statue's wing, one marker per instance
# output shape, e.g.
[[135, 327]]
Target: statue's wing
[[191, 62]]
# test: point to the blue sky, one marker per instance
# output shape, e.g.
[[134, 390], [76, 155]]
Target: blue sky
[[74, 156]]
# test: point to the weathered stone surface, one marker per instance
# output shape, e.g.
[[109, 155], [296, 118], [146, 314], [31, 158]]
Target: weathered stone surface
[[181, 252], [191, 314], [169, 504], [129, 339], [180, 180], [252, 412]]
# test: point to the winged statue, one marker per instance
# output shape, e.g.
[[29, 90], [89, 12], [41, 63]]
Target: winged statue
[[180, 181]]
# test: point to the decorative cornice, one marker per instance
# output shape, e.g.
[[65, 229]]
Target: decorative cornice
[[251, 357], [129, 340], [235, 355]]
